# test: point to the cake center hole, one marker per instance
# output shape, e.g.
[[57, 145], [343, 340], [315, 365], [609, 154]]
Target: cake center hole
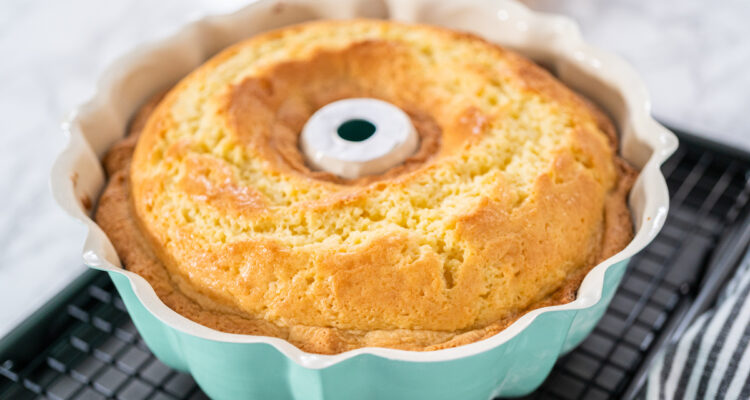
[[356, 130]]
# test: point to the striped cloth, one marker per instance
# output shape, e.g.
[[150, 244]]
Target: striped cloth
[[712, 359]]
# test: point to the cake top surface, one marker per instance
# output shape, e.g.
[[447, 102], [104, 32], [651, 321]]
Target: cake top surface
[[507, 197]]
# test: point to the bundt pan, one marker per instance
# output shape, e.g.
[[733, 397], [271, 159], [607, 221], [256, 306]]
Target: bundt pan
[[231, 366]]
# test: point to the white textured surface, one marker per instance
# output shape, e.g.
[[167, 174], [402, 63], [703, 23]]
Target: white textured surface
[[693, 56]]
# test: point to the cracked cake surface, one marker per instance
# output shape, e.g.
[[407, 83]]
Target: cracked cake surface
[[515, 192]]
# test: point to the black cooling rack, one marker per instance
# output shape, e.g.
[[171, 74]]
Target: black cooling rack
[[83, 345]]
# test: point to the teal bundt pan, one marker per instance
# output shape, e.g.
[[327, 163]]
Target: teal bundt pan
[[229, 366], [260, 371]]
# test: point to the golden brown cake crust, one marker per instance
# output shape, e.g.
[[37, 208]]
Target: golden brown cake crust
[[515, 192]]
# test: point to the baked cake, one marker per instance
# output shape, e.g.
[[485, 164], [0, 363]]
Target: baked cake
[[514, 193]]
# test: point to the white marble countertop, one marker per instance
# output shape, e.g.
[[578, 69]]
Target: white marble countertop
[[693, 55]]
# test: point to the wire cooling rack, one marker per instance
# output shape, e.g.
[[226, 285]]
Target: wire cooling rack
[[83, 345]]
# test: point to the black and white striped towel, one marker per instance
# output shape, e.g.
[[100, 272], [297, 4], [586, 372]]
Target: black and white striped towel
[[712, 359]]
